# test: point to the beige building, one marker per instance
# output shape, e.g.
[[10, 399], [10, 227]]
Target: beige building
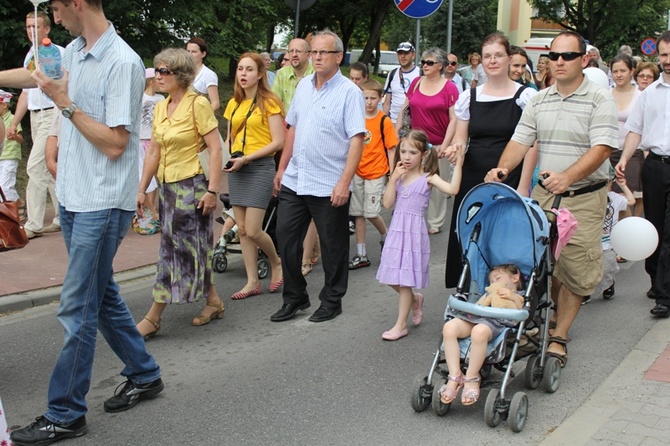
[[514, 19]]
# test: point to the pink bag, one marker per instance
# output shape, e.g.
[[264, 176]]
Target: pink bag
[[566, 225]]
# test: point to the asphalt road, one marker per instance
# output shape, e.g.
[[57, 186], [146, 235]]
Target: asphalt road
[[244, 380]]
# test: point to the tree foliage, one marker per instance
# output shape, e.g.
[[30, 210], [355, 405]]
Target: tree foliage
[[607, 24]]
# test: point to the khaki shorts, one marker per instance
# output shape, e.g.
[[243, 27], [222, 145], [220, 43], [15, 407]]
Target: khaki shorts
[[580, 265], [366, 197]]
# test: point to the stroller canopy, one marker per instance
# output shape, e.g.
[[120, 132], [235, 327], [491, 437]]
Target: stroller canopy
[[512, 229]]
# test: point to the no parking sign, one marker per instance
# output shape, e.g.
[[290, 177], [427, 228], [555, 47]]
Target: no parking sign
[[418, 9], [648, 46]]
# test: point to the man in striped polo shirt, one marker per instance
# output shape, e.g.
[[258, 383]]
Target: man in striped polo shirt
[[101, 103], [575, 125]]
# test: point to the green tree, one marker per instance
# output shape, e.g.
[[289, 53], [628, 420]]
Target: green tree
[[607, 24], [472, 21]]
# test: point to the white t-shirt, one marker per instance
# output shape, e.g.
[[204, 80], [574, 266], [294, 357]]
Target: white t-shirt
[[480, 75], [37, 100], [615, 204], [204, 79], [462, 107], [148, 104], [398, 89]]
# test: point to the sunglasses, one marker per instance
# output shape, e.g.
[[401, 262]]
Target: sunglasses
[[430, 63], [568, 56], [164, 71], [452, 63]]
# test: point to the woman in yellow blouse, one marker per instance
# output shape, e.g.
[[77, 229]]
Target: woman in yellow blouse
[[183, 124], [255, 115]]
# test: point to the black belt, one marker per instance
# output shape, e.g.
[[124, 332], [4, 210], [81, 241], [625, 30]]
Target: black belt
[[663, 159], [42, 109], [584, 190]]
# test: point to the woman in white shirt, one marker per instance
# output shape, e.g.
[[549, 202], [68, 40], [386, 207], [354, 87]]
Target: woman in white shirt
[[206, 81]]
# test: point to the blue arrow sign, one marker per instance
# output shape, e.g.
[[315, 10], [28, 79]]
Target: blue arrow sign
[[648, 46], [418, 9]]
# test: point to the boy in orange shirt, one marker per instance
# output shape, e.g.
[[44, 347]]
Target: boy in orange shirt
[[370, 178]]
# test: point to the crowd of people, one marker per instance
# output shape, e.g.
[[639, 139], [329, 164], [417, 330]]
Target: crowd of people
[[330, 149]]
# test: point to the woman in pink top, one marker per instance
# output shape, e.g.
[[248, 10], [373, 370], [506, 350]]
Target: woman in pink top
[[431, 99]]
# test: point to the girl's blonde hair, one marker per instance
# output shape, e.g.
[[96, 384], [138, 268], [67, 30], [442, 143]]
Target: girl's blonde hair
[[419, 139]]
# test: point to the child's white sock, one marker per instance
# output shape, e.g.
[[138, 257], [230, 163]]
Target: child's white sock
[[360, 249]]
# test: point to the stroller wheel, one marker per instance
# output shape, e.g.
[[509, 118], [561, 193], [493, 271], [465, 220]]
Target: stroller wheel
[[491, 414], [518, 412], [551, 375], [421, 393], [533, 374], [219, 263], [439, 408], [263, 267]]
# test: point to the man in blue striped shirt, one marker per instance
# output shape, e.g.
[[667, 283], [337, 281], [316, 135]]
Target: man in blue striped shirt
[[101, 100], [323, 147]]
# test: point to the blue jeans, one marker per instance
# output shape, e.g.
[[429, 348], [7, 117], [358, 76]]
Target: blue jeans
[[90, 300]]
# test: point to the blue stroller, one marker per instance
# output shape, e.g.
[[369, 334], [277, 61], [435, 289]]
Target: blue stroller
[[495, 225]]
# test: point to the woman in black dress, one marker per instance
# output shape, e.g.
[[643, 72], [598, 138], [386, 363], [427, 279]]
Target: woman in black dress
[[486, 118]]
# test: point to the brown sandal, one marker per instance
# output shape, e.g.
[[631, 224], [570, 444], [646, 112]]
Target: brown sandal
[[201, 319], [157, 326], [562, 358]]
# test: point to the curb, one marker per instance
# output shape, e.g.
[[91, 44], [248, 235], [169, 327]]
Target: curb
[[614, 392], [33, 298]]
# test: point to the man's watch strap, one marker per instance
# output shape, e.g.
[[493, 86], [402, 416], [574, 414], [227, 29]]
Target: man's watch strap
[[69, 110]]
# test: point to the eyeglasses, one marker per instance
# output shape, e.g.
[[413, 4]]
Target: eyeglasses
[[494, 56], [452, 63], [568, 56], [430, 63], [646, 76], [296, 51], [164, 71], [322, 53]]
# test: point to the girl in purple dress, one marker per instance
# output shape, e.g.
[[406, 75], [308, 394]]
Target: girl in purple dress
[[404, 262]]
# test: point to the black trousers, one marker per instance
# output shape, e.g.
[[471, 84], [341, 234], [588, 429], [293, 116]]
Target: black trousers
[[656, 198], [294, 213]]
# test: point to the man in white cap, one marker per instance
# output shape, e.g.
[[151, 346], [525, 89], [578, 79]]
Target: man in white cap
[[398, 80]]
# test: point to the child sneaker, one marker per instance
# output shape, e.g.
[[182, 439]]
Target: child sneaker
[[359, 262], [44, 432], [586, 299], [608, 293]]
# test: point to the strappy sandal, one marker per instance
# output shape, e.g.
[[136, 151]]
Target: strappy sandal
[[470, 396], [204, 320], [306, 268], [23, 214], [562, 358], [157, 326], [447, 395]]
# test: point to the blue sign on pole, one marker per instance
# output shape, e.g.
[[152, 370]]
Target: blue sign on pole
[[648, 46], [418, 9]]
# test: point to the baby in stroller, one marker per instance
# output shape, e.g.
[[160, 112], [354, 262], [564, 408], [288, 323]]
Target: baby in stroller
[[481, 330]]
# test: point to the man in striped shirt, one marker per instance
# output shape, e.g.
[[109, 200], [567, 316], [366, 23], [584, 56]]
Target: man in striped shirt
[[101, 103], [575, 125]]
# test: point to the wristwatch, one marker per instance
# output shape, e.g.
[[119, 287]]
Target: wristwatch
[[69, 110]]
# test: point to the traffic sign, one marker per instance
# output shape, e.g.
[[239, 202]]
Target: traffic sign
[[648, 46], [418, 9]]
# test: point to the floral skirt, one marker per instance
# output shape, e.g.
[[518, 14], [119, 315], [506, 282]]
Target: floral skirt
[[183, 271]]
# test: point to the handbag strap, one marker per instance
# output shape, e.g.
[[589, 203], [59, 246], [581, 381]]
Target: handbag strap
[[2, 194]]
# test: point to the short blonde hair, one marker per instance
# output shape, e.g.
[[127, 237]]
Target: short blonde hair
[[180, 62]]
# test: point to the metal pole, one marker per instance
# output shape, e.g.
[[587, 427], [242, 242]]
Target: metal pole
[[297, 19], [449, 23], [416, 42]]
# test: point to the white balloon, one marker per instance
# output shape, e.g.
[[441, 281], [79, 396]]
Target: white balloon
[[634, 238]]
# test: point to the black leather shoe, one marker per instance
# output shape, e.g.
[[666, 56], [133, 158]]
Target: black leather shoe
[[661, 310], [287, 311], [653, 293], [325, 314]]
